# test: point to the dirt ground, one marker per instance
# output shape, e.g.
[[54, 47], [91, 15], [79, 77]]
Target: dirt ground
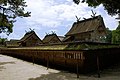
[[105, 75], [111, 73]]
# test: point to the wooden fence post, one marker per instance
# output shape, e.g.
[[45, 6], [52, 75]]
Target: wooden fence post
[[77, 67], [98, 67], [33, 58], [47, 61], [65, 59]]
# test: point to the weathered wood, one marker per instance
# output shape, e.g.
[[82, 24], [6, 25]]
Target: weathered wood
[[98, 67], [47, 62], [68, 58], [77, 68], [33, 59]]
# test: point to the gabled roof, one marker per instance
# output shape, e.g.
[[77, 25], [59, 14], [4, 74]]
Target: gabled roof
[[61, 38], [28, 35], [86, 25], [49, 37]]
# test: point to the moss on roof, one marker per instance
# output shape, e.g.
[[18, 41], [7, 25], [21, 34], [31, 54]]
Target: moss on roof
[[78, 46], [86, 25]]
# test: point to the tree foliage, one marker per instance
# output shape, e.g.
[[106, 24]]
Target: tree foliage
[[2, 40], [116, 36], [108, 36], [112, 6], [9, 10], [118, 28]]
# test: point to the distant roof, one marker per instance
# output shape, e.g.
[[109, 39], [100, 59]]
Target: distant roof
[[12, 42], [86, 25], [49, 37], [27, 35]]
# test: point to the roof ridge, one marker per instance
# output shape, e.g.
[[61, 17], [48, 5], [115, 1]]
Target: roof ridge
[[29, 34], [89, 19]]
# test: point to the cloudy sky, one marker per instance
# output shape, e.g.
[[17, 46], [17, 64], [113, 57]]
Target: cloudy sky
[[57, 16]]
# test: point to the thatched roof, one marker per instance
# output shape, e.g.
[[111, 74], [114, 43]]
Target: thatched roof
[[28, 35], [86, 25], [61, 38], [12, 43], [50, 37]]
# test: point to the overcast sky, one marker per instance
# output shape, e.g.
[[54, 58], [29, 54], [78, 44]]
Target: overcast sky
[[57, 16]]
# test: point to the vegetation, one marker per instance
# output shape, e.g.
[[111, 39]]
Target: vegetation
[[74, 46], [9, 10], [118, 28], [116, 36], [86, 46], [2, 41], [112, 6], [108, 36]]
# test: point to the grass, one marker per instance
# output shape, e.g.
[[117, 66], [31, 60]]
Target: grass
[[73, 46]]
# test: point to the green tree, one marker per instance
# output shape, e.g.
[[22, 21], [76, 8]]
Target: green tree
[[118, 28], [2, 40], [112, 6], [9, 10], [108, 36], [116, 36]]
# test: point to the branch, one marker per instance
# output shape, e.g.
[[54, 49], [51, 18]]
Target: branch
[[76, 1]]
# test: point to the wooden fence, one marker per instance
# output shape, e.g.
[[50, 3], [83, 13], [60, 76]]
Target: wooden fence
[[80, 60], [68, 59]]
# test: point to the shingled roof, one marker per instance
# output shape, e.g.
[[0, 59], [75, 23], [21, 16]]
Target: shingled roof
[[86, 25]]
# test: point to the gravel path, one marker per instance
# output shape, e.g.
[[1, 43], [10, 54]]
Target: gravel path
[[15, 69]]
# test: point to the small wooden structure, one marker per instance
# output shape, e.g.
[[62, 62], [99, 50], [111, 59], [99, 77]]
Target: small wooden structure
[[88, 30], [30, 39], [51, 39], [12, 43]]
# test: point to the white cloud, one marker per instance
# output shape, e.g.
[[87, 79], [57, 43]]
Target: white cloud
[[49, 15], [109, 21]]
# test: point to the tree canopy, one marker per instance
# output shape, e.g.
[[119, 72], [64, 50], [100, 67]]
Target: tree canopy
[[9, 10], [112, 6], [108, 36], [116, 36], [118, 28], [2, 40]]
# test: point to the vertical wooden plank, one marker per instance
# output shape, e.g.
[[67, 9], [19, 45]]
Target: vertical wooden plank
[[98, 67], [77, 67], [33, 54], [47, 61], [65, 58]]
